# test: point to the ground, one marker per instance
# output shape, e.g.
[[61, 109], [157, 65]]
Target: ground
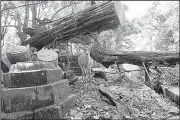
[[145, 102]]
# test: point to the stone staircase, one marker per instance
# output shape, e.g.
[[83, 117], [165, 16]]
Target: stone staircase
[[36, 93]]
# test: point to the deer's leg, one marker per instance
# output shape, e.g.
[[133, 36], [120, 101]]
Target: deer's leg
[[85, 75], [89, 75], [82, 73]]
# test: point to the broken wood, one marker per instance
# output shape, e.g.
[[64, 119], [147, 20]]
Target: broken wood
[[122, 109], [159, 59], [98, 17], [5, 65], [19, 54], [48, 56]]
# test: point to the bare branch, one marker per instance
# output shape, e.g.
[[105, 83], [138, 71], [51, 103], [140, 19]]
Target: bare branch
[[9, 26], [20, 6], [64, 8]]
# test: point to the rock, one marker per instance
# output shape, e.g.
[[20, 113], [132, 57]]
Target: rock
[[173, 94], [32, 78], [23, 115], [78, 108], [30, 98], [69, 103], [106, 108], [73, 80], [107, 116], [49, 112], [68, 74], [79, 115], [72, 112], [67, 118], [18, 99], [56, 111], [173, 110], [87, 106], [52, 93], [174, 118], [136, 112], [96, 117], [74, 64], [116, 116], [77, 70]]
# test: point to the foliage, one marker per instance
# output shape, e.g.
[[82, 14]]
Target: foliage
[[157, 30], [162, 25]]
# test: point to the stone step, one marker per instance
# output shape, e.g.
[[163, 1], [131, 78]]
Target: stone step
[[63, 59], [30, 98], [56, 111], [23, 115], [77, 70], [74, 64], [68, 74], [71, 81], [64, 67], [32, 78], [73, 58]]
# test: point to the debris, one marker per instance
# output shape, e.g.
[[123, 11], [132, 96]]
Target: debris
[[79, 115], [96, 117], [107, 116], [72, 112]]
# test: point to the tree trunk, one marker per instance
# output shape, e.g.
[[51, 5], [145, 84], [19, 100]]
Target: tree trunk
[[19, 54], [107, 57], [34, 15], [48, 56], [99, 17], [21, 35], [26, 19]]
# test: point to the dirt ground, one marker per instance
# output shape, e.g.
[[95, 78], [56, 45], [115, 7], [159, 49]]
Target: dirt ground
[[145, 102]]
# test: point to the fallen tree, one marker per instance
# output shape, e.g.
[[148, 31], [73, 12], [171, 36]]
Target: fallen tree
[[107, 57], [99, 17]]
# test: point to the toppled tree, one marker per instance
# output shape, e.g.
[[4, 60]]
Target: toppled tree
[[99, 17]]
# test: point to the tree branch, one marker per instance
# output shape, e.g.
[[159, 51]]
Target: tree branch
[[9, 26], [64, 8], [19, 6]]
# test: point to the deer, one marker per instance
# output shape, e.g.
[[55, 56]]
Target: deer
[[85, 61]]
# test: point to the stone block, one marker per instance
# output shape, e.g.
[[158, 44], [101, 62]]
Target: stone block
[[32, 78], [77, 70], [69, 103], [52, 93], [60, 90], [71, 81], [172, 93], [74, 64], [25, 79], [68, 74], [63, 59], [18, 99], [30, 98], [23, 115], [48, 112], [54, 75], [73, 58], [56, 111]]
